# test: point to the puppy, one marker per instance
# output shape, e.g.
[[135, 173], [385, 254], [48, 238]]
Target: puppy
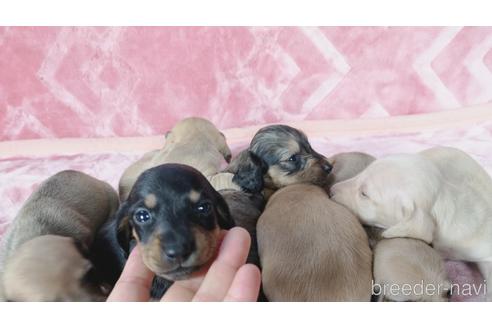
[[288, 158], [245, 210], [248, 171], [223, 181], [70, 204], [175, 215], [193, 141], [347, 165], [51, 268], [441, 196], [414, 267], [312, 249]]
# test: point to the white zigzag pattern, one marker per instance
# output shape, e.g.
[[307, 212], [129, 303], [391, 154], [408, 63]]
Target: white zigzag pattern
[[422, 66]]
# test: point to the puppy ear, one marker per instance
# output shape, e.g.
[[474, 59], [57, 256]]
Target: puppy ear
[[224, 220], [123, 227], [225, 150], [413, 223], [257, 161]]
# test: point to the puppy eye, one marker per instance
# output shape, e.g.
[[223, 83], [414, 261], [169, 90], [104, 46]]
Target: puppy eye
[[363, 194], [293, 158], [142, 216], [204, 208]]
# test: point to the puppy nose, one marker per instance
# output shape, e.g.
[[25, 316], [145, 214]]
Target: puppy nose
[[177, 252], [327, 167]]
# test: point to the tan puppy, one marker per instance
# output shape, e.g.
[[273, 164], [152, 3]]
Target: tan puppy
[[441, 196], [70, 204], [408, 269], [347, 165], [193, 141], [50, 268], [312, 249]]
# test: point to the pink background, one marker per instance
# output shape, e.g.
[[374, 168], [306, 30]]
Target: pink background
[[100, 82], [107, 82]]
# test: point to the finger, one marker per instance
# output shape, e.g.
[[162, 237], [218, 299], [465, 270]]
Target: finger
[[246, 285], [184, 290], [232, 255], [135, 281]]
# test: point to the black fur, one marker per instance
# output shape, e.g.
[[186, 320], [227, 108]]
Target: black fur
[[173, 215]]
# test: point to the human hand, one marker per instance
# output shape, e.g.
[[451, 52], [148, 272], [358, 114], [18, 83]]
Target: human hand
[[227, 279]]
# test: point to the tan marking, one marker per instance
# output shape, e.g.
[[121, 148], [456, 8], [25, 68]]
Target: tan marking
[[150, 201], [194, 196], [293, 146]]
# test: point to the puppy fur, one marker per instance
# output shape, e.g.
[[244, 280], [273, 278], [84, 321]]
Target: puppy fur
[[288, 157], [411, 262], [312, 249], [223, 181], [175, 215], [248, 171], [347, 165], [50, 268], [193, 141], [70, 203], [441, 196], [245, 210]]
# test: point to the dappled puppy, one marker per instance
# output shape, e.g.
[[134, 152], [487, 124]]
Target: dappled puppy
[[70, 203], [289, 159], [427, 196], [347, 165], [176, 216], [193, 141], [51, 268], [312, 249], [409, 270]]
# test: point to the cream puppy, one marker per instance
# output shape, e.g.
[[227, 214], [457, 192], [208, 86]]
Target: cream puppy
[[409, 270], [312, 249], [70, 203], [193, 141], [441, 196]]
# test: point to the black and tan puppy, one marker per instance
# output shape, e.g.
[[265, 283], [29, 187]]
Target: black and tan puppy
[[288, 157], [70, 204], [176, 216], [312, 249]]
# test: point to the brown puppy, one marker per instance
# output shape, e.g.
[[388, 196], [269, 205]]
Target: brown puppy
[[50, 268], [348, 165], [287, 157], [312, 249], [408, 269], [193, 141], [70, 203]]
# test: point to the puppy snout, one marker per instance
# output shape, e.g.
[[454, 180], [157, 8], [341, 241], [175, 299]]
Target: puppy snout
[[325, 166], [179, 252]]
